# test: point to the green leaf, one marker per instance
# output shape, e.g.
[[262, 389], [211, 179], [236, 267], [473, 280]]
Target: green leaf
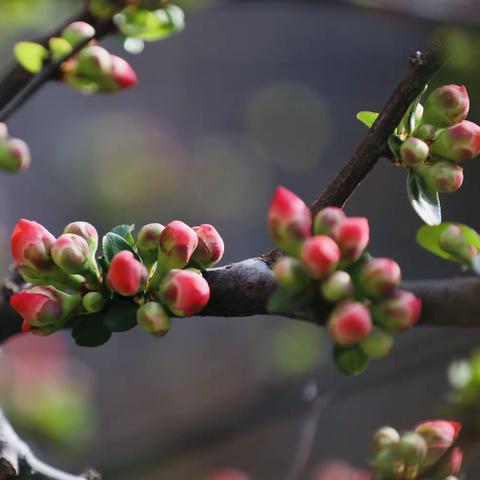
[[121, 315], [394, 143], [112, 244], [368, 118], [91, 331], [125, 231], [59, 47], [423, 200], [350, 360], [427, 237], [30, 55], [286, 300]]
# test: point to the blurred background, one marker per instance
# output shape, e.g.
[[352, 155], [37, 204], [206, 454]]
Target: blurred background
[[251, 95]]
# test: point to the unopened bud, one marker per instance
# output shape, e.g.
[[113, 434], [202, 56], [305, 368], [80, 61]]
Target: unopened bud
[[94, 302], [453, 241], [378, 344], [447, 106], [458, 143], [327, 220], [338, 286], [349, 323], [352, 236], [94, 63], [153, 318], [412, 451], [177, 243], [126, 276], [384, 437], [148, 242], [414, 151], [289, 221], [123, 76], [210, 247], [71, 253], [87, 231], [379, 277], [320, 254], [78, 32], [14, 155], [289, 272], [442, 176], [427, 132]]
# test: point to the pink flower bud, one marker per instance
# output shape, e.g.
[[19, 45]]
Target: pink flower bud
[[337, 287], [148, 242], [85, 230], [349, 323], [210, 247], [352, 237], [414, 151], [320, 255], [78, 32], [184, 292], [379, 277], [94, 63], [71, 253], [453, 241], [442, 176], [153, 319], [327, 220], [439, 435], [289, 221], [177, 242], [227, 474], [447, 106], [14, 155], [378, 344], [123, 74], [458, 143], [398, 313], [31, 243], [126, 276], [44, 306]]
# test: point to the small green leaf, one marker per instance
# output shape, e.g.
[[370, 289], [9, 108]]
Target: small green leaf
[[112, 244], [286, 300], [59, 47], [350, 360], [427, 237], [394, 143], [423, 200], [125, 231], [30, 55], [121, 315], [90, 331], [368, 118]]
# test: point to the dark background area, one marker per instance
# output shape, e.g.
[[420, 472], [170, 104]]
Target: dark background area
[[249, 96]]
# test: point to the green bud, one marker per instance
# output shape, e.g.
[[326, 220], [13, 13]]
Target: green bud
[[378, 344], [427, 132], [14, 154], [93, 302], [412, 449], [384, 437], [338, 286], [148, 242], [78, 32], [94, 62], [414, 151], [289, 272], [153, 319], [454, 242]]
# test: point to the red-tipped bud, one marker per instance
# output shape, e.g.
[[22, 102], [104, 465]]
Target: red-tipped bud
[[289, 272], [320, 255], [184, 292], [94, 302], [458, 143], [44, 306], [123, 74], [385, 437], [85, 230], [78, 32], [338, 286], [71, 253], [447, 106], [442, 176], [126, 276], [379, 277], [454, 242], [14, 155], [398, 313], [352, 237], [327, 220], [148, 242], [439, 435], [31, 243], [378, 344], [227, 474], [349, 323], [153, 318], [289, 221], [210, 247], [414, 151], [177, 243]]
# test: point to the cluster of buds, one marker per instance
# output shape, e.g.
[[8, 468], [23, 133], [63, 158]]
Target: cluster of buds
[[94, 69], [14, 153], [326, 259], [430, 447], [442, 139], [160, 272]]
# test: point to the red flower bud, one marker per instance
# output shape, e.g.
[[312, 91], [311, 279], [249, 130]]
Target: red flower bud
[[123, 74], [153, 319], [349, 323], [414, 151], [458, 143], [78, 32], [442, 176], [178, 242], [446, 106], [184, 292], [289, 221], [210, 247], [352, 237], [44, 306], [398, 313], [31, 243], [327, 220], [148, 242], [454, 242], [320, 255], [228, 474], [85, 230], [14, 155], [439, 435], [379, 277], [126, 276], [71, 253], [337, 287]]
